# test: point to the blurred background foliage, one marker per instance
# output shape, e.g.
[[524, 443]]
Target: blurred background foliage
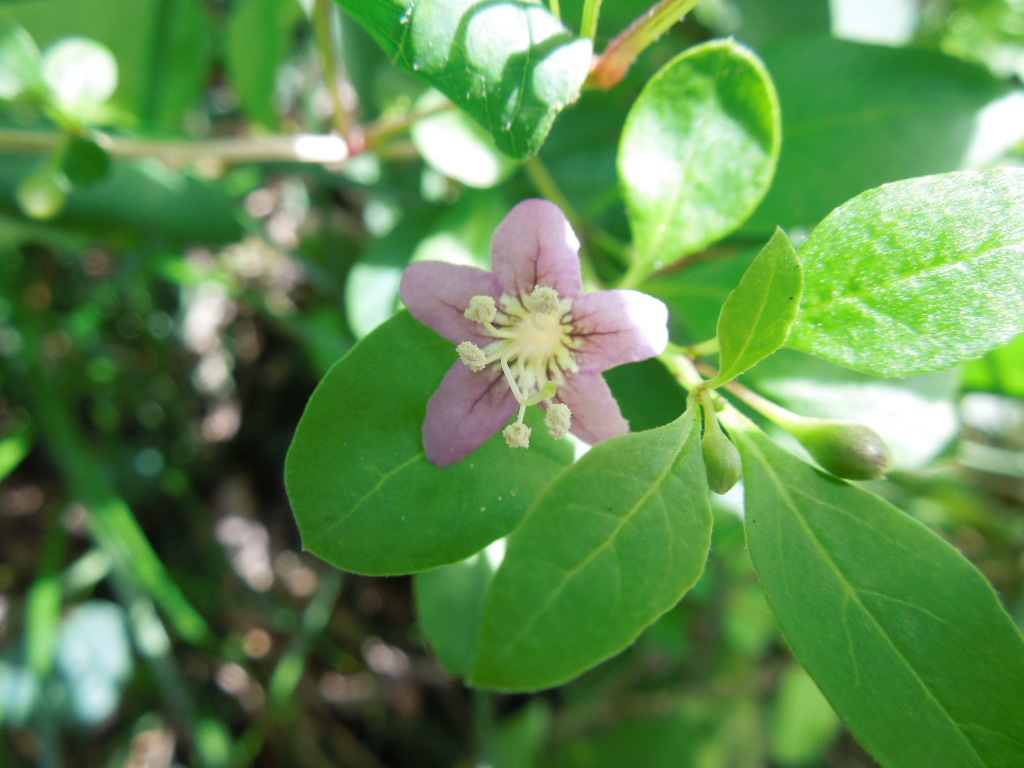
[[204, 204]]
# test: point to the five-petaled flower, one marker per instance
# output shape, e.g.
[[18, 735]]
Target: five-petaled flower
[[528, 335]]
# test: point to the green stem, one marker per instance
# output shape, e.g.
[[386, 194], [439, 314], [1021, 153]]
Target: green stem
[[618, 57], [591, 13], [774, 412], [703, 348], [483, 727], [681, 367], [302, 148], [323, 27]]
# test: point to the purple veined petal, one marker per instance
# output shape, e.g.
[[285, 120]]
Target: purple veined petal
[[535, 245], [616, 327], [437, 294], [595, 413], [466, 411]]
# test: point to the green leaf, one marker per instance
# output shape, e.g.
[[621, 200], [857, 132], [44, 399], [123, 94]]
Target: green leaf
[[365, 496], [83, 161], [902, 634], [803, 723], [917, 275], [698, 151], [181, 47], [512, 66], [450, 602], [20, 67], [844, 134], [259, 38], [1002, 370], [758, 314], [608, 548]]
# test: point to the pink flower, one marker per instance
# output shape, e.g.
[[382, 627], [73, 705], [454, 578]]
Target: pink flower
[[528, 335]]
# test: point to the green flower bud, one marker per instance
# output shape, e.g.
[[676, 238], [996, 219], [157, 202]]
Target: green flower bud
[[721, 459], [845, 448]]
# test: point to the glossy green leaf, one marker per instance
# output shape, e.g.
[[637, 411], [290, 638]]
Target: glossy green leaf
[[758, 314], [450, 602], [844, 133], [698, 151], [365, 496], [903, 635], [512, 66], [259, 37], [608, 548], [917, 275]]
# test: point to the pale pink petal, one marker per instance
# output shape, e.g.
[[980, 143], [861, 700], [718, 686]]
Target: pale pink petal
[[535, 245], [616, 327], [437, 294], [595, 414], [466, 411]]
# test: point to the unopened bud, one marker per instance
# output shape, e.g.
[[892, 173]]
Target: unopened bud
[[845, 448], [517, 435], [721, 459], [558, 420]]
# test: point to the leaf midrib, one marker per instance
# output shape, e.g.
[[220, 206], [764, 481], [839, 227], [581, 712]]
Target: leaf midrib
[[851, 594]]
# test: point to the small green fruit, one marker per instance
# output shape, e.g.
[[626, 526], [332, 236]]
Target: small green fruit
[[845, 448], [721, 459]]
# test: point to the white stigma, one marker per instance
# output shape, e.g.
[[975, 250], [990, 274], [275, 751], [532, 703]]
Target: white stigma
[[533, 344]]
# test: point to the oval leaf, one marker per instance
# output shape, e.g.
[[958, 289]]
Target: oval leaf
[[902, 634], [608, 548], [365, 496], [512, 66], [698, 151], [758, 314], [917, 275]]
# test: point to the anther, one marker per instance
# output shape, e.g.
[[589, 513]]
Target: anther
[[472, 356], [517, 435], [543, 300], [558, 420], [481, 309]]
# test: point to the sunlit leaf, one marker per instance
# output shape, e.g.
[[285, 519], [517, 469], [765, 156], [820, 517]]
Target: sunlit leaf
[[610, 546], [903, 635], [917, 275]]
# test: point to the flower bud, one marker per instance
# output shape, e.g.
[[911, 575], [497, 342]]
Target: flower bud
[[721, 459], [845, 448]]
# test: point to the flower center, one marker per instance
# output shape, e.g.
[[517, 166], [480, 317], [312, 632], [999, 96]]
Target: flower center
[[533, 345]]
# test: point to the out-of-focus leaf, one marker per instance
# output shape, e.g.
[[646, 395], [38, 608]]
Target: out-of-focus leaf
[[665, 741], [758, 314], [450, 602], [855, 116], [904, 636], [916, 415], [182, 43], [259, 38], [84, 161], [757, 23], [20, 64], [803, 723], [521, 738], [365, 496], [1001, 370], [698, 151], [609, 547], [512, 66], [452, 143], [917, 275]]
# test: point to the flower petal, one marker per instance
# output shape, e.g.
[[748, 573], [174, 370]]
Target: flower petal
[[437, 294], [616, 327], [595, 413], [466, 411], [535, 245]]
